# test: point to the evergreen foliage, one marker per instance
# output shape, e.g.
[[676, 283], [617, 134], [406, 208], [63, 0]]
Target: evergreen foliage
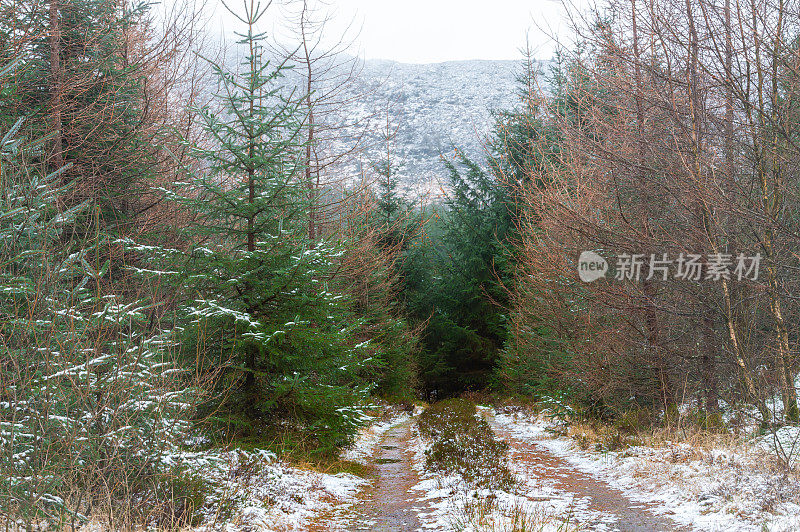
[[464, 293], [86, 386], [95, 95], [394, 226]]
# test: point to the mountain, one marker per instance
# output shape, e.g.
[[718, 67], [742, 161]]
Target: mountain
[[433, 108]]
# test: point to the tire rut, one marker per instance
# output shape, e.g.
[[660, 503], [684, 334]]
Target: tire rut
[[541, 464], [392, 506], [389, 505]]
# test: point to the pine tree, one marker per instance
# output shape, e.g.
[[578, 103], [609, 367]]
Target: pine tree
[[259, 312], [477, 230], [390, 202], [526, 142]]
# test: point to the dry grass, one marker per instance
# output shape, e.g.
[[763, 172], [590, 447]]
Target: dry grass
[[487, 513]]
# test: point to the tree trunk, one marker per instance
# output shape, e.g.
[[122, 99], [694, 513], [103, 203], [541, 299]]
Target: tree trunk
[[312, 189], [55, 84]]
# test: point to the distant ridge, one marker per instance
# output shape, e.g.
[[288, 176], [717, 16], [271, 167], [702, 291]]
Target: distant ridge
[[434, 106]]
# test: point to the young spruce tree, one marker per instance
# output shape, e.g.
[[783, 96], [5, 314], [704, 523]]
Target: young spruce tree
[[258, 312], [88, 410]]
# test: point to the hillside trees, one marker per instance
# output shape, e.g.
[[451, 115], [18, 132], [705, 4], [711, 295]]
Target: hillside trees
[[293, 329], [453, 262], [393, 227], [468, 258], [375, 274], [342, 206], [91, 409], [525, 144], [469, 322]]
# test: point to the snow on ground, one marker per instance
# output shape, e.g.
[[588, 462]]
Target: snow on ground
[[731, 489], [784, 444], [254, 491], [530, 505]]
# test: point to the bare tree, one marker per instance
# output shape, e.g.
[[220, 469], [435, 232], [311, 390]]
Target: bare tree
[[327, 74], [674, 134]]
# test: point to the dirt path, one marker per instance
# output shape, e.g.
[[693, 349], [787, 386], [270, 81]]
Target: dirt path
[[388, 505], [539, 463], [391, 505]]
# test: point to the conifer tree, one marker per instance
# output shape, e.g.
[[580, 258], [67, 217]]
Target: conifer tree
[[95, 81], [258, 308], [392, 214], [464, 294], [526, 144]]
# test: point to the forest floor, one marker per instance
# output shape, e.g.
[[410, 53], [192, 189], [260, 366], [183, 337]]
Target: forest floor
[[708, 482], [561, 485], [550, 495]]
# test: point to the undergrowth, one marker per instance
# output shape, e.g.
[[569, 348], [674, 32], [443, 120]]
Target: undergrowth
[[464, 444], [642, 427], [487, 514]]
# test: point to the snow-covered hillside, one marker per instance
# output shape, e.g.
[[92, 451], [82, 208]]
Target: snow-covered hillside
[[433, 107]]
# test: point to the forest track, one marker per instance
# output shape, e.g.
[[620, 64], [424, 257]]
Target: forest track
[[389, 504], [539, 463]]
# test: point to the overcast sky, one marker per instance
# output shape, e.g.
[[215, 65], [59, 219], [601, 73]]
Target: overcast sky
[[428, 31]]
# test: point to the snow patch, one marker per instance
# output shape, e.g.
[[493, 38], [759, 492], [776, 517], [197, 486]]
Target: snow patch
[[368, 438], [254, 491]]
